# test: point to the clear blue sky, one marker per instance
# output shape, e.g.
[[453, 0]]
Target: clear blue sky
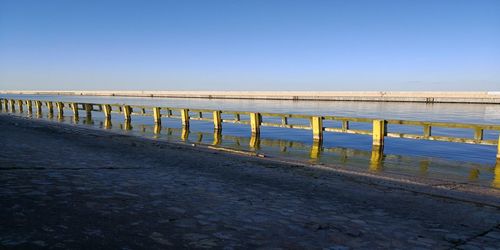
[[250, 45]]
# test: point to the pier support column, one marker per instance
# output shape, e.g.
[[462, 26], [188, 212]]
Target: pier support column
[[255, 121], [185, 117], [60, 109], [74, 107], [127, 111], [6, 104], [107, 123], [217, 120], [12, 106], [20, 105], [38, 105], [317, 128], [379, 131], [29, 106], [157, 115], [50, 107], [1, 104], [107, 111]]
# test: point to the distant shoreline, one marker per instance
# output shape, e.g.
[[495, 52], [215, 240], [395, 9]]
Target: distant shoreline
[[484, 97]]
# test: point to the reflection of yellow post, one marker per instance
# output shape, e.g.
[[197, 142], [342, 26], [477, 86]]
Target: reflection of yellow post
[[424, 166], [315, 149], [376, 158], [157, 115], [20, 105], [496, 175], [200, 137], [157, 129], [107, 123], [217, 120], [185, 117], [185, 133], [255, 121], [107, 111], [317, 127], [127, 125], [254, 141], [498, 148], [217, 137], [474, 174]]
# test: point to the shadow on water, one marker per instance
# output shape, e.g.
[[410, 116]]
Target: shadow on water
[[374, 160]]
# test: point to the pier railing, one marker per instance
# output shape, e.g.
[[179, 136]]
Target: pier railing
[[318, 124]]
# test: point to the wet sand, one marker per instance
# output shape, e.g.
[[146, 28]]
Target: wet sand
[[64, 186]]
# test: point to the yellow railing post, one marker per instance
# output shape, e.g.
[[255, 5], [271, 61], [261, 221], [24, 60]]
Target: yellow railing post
[[157, 115], [38, 105], [20, 105], [127, 111], [379, 131], [6, 104], [255, 121], [74, 107], [107, 111], [29, 106], [217, 120], [12, 106], [50, 107], [185, 117], [317, 127], [60, 109]]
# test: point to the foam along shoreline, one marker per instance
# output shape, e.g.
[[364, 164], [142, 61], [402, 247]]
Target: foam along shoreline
[[487, 97]]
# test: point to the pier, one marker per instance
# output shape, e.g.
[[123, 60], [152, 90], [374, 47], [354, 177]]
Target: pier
[[381, 128]]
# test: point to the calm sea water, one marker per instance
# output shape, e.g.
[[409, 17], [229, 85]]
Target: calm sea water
[[411, 155]]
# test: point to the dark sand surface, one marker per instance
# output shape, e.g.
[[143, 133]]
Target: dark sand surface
[[64, 186]]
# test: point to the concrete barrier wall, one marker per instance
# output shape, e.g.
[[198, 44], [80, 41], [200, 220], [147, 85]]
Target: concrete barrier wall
[[380, 96]]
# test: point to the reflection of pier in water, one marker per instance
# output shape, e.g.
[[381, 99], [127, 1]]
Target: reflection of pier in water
[[376, 159]]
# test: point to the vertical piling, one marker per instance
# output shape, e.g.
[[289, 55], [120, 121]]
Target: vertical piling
[[185, 117], [38, 105], [29, 106], [379, 131], [127, 111], [12, 106], [60, 109], [74, 107], [20, 105], [107, 111], [255, 121], [50, 107], [157, 115], [317, 128], [217, 120]]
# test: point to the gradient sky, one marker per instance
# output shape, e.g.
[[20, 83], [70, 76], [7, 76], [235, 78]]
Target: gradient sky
[[250, 45]]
